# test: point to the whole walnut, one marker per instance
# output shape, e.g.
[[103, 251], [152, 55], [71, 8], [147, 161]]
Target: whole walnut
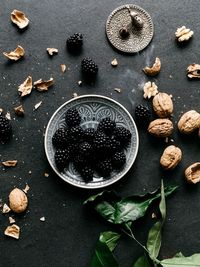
[[162, 105], [161, 128], [189, 122], [171, 157], [18, 200], [192, 173]]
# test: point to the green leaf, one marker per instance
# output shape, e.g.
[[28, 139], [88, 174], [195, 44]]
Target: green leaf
[[103, 256], [180, 261], [128, 209], [154, 237], [142, 262], [95, 197]]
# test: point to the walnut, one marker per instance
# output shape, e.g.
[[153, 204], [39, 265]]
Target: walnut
[[10, 163], [189, 122], [183, 34], [171, 157], [150, 89], [192, 173], [19, 18], [12, 231], [162, 105], [16, 54], [18, 200], [52, 51], [155, 69], [19, 111], [43, 85], [193, 71], [26, 87], [160, 128]]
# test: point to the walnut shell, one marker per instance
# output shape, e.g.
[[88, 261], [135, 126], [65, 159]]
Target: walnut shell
[[189, 122], [171, 157], [162, 105], [155, 69], [161, 128], [18, 200], [192, 173]]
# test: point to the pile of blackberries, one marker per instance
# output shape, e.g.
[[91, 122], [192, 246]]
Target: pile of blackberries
[[99, 150]]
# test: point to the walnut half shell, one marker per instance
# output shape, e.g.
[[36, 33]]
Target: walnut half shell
[[192, 173], [155, 69], [19, 18], [171, 157], [16, 54]]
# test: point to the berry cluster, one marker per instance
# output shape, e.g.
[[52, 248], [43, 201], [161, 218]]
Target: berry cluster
[[99, 150], [5, 129]]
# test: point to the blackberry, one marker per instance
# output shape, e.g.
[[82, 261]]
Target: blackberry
[[75, 41], [122, 134], [73, 149], [104, 167], [5, 129], [89, 67], [107, 125], [89, 134], [60, 138], [72, 117], [79, 161], [112, 145], [76, 134], [142, 114], [100, 142], [87, 173], [61, 158], [85, 149], [118, 160]]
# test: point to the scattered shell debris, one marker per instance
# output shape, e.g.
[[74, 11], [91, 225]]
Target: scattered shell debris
[[42, 219], [183, 34], [150, 89], [46, 174], [118, 90], [42, 85], [5, 209], [26, 188], [155, 69], [8, 116], [19, 110], [10, 163], [75, 95], [63, 67], [26, 87], [19, 18], [80, 83], [37, 105], [52, 51], [16, 54], [114, 62], [13, 231], [193, 71], [11, 220]]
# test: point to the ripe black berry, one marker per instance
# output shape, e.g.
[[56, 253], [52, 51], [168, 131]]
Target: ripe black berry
[[107, 125], [112, 145], [104, 167], [87, 173], [5, 129], [60, 138], [142, 114], [72, 117], [89, 67], [118, 160], [89, 134], [122, 134], [75, 41], [100, 142], [76, 134], [85, 149], [61, 158]]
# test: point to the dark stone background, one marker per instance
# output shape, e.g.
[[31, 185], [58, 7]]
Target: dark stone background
[[69, 234]]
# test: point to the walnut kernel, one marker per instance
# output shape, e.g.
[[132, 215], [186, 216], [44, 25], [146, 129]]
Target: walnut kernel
[[160, 128], [18, 200], [189, 122], [150, 89], [183, 34], [192, 173], [171, 157], [162, 105], [193, 71], [155, 69]]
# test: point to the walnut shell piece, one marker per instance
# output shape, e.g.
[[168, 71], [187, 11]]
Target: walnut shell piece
[[183, 34], [19, 111], [161, 128], [155, 69], [150, 89], [19, 18], [18, 200], [26, 87], [162, 105], [192, 173], [193, 71], [52, 51], [189, 122], [16, 54], [12, 231], [42, 85], [171, 157]]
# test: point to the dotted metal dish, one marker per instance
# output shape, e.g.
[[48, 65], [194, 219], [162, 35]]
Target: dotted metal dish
[[138, 39], [92, 109]]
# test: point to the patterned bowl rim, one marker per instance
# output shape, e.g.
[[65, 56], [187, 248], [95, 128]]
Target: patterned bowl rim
[[85, 185]]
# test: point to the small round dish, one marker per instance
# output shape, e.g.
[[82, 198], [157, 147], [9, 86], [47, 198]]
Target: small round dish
[[92, 109]]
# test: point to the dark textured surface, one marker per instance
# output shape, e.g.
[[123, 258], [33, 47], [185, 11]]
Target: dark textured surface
[[68, 236]]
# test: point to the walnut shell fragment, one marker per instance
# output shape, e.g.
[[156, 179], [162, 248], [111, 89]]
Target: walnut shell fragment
[[193, 71], [183, 34], [114, 62], [5, 209], [18, 200], [43, 85], [19, 18], [150, 89], [189, 122], [19, 111], [192, 173], [162, 105], [171, 157], [63, 67], [52, 51], [155, 69], [16, 54], [10, 163], [12, 231], [160, 128], [26, 87]]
